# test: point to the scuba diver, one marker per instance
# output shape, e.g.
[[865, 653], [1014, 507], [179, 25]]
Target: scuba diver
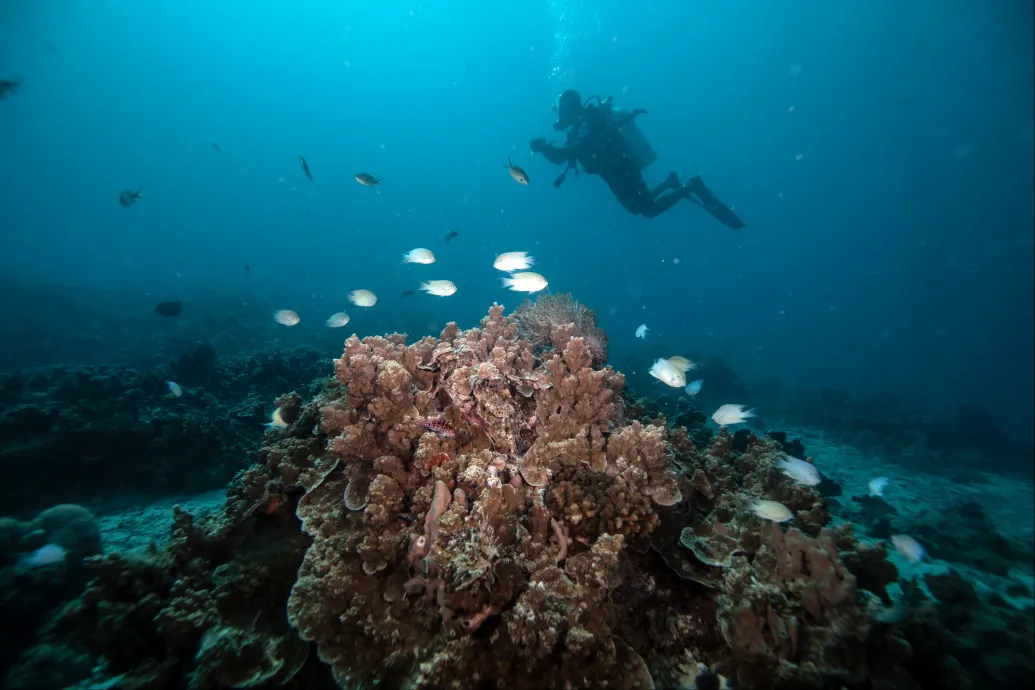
[[607, 142]]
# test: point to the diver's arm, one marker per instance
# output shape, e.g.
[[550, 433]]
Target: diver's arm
[[558, 155]]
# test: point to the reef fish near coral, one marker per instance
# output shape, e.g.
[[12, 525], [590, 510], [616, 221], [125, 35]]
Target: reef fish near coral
[[286, 317], [682, 362], [878, 485], [668, 373], [909, 548], [50, 554], [732, 414], [525, 282], [337, 320], [175, 390], [439, 288], [513, 261], [276, 422], [800, 471], [771, 510], [363, 298], [694, 387], [439, 426]]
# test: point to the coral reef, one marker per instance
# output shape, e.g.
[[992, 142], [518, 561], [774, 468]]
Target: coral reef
[[552, 320], [479, 511], [112, 431]]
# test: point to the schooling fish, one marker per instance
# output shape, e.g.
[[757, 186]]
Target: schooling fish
[[513, 261], [694, 387], [732, 414], [215, 146], [337, 320], [682, 362], [519, 175], [419, 256], [439, 288], [668, 373], [368, 180], [128, 197], [363, 298], [286, 317], [169, 308], [305, 168], [450, 235], [525, 282]]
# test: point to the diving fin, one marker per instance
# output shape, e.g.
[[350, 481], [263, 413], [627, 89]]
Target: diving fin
[[710, 203]]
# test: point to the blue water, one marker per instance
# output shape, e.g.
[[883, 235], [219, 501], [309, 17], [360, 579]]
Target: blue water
[[881, 154]]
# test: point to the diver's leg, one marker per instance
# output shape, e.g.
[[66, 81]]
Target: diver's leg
[[658, 206], [711, 203], [629, 188], [671, 182]]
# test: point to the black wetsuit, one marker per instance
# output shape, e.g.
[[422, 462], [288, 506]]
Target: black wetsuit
[[596, 143]]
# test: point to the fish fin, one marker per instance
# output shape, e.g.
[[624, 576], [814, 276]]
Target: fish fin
[[750, 413], [782, 464]]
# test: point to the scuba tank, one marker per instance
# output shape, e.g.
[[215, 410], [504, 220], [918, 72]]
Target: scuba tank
[[636, 144]]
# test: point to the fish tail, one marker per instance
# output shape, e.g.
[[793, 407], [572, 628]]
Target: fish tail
[[507, 282]]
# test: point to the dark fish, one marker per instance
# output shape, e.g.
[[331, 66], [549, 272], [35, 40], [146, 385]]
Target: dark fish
[[215, 146], [305, 168], [9, 87], [407, 293], [451, 234], [247, 268], [519, 175], [368, 180], [51, 48], [128, 197], [169, 308], [439, 427]]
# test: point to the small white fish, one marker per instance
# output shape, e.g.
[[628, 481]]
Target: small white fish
[[682, 362], [909, 548], [174, 389], [419, 256], [878, 485], [669, 374], [641, 332], [286, 317], [338, 320], [439, 288], [694, 387], [363, 298], [513, 261], [525, 282], [732, 414], [771, 510], [799, 470], [45, 555], [276, 421]]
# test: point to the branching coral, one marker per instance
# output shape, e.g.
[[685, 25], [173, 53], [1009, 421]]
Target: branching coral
[[553, 320]]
